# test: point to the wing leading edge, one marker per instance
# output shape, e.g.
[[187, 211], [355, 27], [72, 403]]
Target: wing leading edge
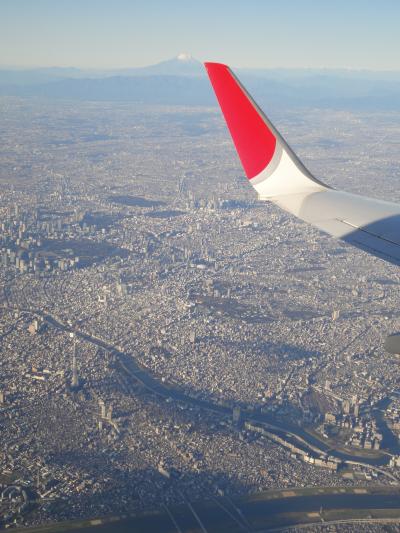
[[279, 176]]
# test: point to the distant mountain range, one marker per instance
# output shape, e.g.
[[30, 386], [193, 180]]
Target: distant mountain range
[[182, 81], [182, 65]]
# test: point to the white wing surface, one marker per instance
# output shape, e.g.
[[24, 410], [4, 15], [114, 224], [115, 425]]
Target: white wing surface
[[280, 177]]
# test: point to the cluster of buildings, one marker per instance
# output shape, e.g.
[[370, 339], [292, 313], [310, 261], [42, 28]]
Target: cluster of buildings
[[22, 246], [229, 302], [356, 429], [321, 460]]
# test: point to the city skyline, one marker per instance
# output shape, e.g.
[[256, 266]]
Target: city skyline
[[179, 353], [213, 332]]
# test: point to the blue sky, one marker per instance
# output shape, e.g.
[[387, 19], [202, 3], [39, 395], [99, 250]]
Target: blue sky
[[244, 33]]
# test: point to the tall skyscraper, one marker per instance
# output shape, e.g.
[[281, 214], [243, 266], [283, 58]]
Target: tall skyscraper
[[102, 406], [75, 376]]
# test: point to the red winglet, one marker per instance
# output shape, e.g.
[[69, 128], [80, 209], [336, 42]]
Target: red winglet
[[254, 141]]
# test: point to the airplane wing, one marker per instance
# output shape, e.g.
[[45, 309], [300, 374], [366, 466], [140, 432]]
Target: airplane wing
[[279, 176]]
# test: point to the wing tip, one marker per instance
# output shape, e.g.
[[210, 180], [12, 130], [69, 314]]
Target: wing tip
[[211, 65]]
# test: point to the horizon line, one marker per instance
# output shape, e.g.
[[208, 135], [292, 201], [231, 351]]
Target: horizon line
[[113, 68]]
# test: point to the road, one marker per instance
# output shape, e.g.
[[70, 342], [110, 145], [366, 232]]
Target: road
[[268, 511]]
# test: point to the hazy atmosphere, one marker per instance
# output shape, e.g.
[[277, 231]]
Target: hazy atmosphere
[[179, 352]]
